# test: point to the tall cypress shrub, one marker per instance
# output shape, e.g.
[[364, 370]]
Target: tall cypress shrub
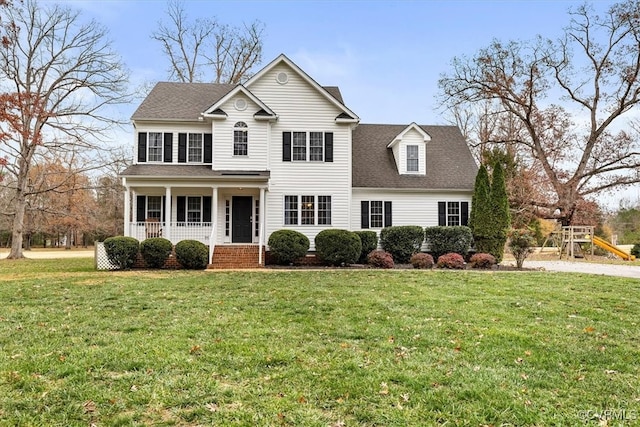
[[501, 218], [481, 216]]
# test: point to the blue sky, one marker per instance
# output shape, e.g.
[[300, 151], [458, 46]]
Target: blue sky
[[386, 56]]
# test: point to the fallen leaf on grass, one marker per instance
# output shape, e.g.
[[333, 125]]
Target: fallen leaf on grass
[[195, 349], [211, 407], [89, 407]]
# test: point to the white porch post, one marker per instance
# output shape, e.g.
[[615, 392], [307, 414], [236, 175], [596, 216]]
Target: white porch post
[[167, 213], [261, 227], [214, 222], [127, 210]]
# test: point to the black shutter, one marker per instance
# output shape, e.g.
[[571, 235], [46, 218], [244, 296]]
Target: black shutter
[[364, 214], [141, 208], [387, 214], [168, 147], [164, 211], [464, 213], [206, 209], [182, 148], [286, 146], [328, 146], [142, 147], [442, 214], [181, 209], [208, 148]]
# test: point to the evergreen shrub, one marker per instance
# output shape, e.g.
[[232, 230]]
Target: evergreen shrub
[[402, 241], [122, 251], [443, 240], [369, 240], [192, 254], [155, 251], [338, 247], [635, 250], [286, 246]]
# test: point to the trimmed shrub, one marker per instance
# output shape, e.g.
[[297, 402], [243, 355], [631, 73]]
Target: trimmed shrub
[[402, 241], [451, 260], [369, 241], [338, 247], [444, 240], [421, 260], [380, 259], [192, 254], [155, 251], [122, 251], [286, 246], [635, 250], [521, 244], [482, 260]]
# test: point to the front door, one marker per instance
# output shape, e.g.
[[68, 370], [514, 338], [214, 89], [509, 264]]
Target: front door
[[241, 223]]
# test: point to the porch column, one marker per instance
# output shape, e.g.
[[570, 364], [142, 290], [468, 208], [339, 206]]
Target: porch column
[[214, 222], [167, 213], [127, 211], [261, 227]]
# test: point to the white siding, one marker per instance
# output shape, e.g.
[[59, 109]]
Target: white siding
[[175, 129], [408, 207], [300, 107], [223, 158]]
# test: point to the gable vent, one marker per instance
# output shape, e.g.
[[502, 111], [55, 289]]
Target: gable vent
[[282, 77]]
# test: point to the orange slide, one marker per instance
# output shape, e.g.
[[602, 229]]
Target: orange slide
[[613, 249]]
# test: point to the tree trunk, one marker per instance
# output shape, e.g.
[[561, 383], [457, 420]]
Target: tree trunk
[[18, 225]]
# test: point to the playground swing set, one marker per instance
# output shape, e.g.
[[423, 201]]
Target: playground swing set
[[570, 239]]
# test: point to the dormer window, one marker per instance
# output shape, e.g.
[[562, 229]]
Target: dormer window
[[240, 139], [412, 158]]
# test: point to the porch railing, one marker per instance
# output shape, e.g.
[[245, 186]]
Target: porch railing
[[174, 231]]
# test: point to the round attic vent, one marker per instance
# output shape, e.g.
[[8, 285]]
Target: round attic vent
[[282, 77], [240, 104]]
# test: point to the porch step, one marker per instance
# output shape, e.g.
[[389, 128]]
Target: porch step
[[236, 256]]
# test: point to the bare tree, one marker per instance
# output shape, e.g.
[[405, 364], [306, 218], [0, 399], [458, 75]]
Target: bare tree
[[205, 50], [594, 70], [58, 75]]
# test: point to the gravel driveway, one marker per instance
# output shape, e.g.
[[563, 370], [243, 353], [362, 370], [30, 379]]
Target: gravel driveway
[[586, 267]]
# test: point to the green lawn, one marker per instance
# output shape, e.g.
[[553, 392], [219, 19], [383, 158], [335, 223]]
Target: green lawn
[[308, 348]]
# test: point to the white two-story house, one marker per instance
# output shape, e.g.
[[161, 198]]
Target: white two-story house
[[230, 164]]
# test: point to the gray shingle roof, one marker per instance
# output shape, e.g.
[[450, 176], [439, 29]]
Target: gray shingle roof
[[186, 171], [186, 101], [449, 161], [179, 101]]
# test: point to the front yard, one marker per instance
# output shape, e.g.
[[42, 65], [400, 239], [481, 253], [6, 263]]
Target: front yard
[[315, 348]]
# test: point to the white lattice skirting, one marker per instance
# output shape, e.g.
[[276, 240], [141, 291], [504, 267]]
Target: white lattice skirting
[[102, 260]]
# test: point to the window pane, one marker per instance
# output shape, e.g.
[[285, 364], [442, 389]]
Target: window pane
[[308, 210], [155, 147], [291, 210], [453, 213], [412, 158], [195, 147], [154, 207], [315, 146], [240, 139], [324, 210], [376, 214], [299, 146], [194, 205]]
